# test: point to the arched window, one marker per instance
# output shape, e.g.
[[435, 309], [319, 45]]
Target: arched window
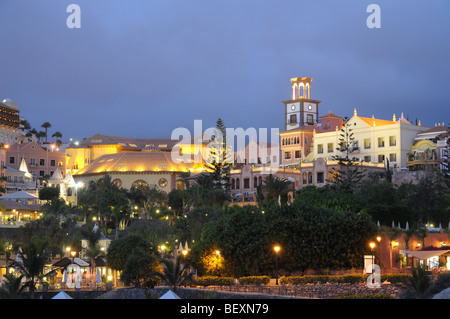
[[139, 182], [310, 178], [304, 178], [237, 183], [233, 183], [255, 182]]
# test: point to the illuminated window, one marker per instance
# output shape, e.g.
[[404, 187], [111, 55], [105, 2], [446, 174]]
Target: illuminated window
[[367, 143], [139, 182], [117, 182], [380, 158], [162, 182], [381, 142]]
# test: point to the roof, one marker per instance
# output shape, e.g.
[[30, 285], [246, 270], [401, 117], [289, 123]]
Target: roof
[[132, 143], [12, 204], [134, 161], [18, 195], [330, 114], [370, 121], [64, 262]]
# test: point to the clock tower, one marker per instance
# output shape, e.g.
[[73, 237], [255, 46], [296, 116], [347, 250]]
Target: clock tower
[[301, 111]]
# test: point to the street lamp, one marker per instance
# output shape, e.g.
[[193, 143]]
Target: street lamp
[[372, 246], [379, 249], [73, 253], [276, 248]]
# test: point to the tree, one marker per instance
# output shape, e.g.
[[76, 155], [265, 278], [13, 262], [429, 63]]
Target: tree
[[120, 250], [92, 237], [219, 163], [276, 188], [175, 274], [349, 175], [49, 193], [46, 126], [12, 287], [140, 269], [31, 263]]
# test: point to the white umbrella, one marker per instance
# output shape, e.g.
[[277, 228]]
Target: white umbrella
[[378, 223], [98, 279], [407, 226], [61, 295], [65, 276], [393, 225], [399, 227]]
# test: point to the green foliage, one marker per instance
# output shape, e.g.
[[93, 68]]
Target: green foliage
[[175, 273], [351, 295], [419, 281], [12, 288], [213, 281], [310, 237], [140, 268], [323, 279], [254, 280], [49, 193], [121, 249]]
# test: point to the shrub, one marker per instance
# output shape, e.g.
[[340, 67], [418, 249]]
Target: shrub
[[254, 280], [351, 295], [213, 281], [396, 278]]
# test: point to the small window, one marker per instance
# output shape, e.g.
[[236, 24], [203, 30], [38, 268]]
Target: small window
[[246, 183], [393, 157], [298, 154], [42, 162], [392, 141], [12, 160], [320, 177], [381, 142], [309, 119], [330, 147], [287, 155], [380, 158], [52, 162], [367, 143], [367, 158], [320, 148]]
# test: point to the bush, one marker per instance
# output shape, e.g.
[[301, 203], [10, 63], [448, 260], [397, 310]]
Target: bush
[[351, 295], [254, 280], [213, 281], [396, 278], [323, 279]]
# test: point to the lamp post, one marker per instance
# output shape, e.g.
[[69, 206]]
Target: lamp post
[[276, 248], [372, 246], [379, 250], [73, 253]]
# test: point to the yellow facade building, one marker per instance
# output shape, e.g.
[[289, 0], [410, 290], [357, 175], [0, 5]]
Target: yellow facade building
[[376, 140]]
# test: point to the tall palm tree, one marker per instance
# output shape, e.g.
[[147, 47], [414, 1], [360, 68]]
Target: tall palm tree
[[46, 125], [175, 274], [31, 263]]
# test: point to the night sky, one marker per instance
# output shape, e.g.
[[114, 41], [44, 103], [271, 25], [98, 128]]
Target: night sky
[[141, 68]]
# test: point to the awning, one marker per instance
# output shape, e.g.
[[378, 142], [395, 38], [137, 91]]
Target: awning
[[424, 254]]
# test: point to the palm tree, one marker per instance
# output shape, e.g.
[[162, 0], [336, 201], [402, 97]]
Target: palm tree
[[12, 287], [175, 274], [276, 187], [58, 135], [93, 250], [46, 125], [31, 263]]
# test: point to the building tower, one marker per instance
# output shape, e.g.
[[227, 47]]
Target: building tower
[[301, 110]]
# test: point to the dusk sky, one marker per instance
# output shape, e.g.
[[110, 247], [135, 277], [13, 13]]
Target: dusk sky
[[142, 68]]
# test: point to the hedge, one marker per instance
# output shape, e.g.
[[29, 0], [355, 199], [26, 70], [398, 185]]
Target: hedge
[[351, 295], [254, 280], [342, 279], [214, 281]]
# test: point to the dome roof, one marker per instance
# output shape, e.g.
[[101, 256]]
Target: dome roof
[[10, 104]]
